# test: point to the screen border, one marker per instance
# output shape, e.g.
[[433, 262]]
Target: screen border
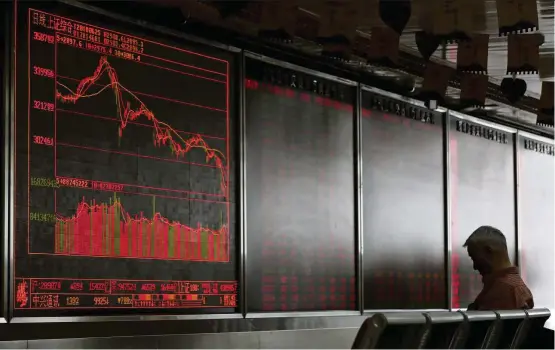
[[8, 253]]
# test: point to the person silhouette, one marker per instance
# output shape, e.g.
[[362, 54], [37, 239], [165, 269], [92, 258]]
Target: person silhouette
[[503, 287]]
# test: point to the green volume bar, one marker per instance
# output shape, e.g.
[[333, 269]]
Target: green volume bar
[[61, 237]]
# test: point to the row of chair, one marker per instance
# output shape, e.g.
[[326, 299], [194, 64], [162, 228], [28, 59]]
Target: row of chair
[[512, 329]]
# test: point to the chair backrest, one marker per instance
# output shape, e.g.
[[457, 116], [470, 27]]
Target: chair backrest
[[448, 330], [513, 323], [532, 334], [483, 330], [393, 330]]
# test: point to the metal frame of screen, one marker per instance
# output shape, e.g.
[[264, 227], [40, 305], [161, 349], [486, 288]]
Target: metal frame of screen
[[457, 115], [320, 318], [447, 208], [6, 132], [242, 186]]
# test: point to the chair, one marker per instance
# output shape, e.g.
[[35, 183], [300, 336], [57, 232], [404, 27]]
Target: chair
[[513, 324], [449, 330], [483, 330], [532, 334], [393, 330]]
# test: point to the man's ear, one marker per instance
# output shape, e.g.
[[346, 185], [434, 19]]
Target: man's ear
[[488, 249]]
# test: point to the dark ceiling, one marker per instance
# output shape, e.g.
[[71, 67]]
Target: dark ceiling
[[497, 57]]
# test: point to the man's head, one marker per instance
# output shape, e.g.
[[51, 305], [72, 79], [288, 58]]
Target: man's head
[[487, 247]]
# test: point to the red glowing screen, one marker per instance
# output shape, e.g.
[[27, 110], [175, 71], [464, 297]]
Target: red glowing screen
[[123, 171]]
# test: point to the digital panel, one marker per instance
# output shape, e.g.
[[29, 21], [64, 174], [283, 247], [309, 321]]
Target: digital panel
[[300, 193], [124, 171], [536, 219], [482, 193], [403, 205]]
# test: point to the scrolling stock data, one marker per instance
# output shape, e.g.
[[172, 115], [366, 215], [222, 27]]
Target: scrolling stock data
[[128, 171]]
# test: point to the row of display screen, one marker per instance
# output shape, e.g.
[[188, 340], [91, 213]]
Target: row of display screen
[[126, 187]]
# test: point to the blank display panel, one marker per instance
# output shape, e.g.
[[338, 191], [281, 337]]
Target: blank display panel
[[537, 209], [404, 259], [482, 193], [300, 193]]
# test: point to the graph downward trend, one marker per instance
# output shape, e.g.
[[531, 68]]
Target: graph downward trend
[[164, 134], [106, 229]]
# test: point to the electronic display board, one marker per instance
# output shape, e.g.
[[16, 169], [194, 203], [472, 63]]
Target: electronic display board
[[403, 205], [536, 218], [482, 193], [124, 170], [300, 193]]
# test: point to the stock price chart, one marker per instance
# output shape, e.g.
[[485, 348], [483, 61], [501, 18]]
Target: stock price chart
[[123, 172], [300, 197]]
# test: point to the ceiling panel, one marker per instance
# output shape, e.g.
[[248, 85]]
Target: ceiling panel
[[496, 63], [497, 58]]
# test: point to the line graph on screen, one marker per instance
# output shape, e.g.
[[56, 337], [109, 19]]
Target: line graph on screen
[[164, 134]]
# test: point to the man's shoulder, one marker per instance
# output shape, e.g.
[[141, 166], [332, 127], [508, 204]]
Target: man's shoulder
[[511, 281], [517, 289]]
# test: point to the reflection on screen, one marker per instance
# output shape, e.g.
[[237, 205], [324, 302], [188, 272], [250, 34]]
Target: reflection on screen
[[300, 199], [482, 193], [404, 262], [536, 225]]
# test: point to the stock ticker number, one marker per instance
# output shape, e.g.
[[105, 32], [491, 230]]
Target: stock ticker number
[[43, 106], [43, 140], [101, 301], [72, 301], [43, 37], [43, 72]]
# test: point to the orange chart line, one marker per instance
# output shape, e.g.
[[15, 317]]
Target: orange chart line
[[164, 134]]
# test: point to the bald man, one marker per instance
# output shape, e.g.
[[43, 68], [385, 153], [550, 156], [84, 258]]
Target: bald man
[[503, 288]]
